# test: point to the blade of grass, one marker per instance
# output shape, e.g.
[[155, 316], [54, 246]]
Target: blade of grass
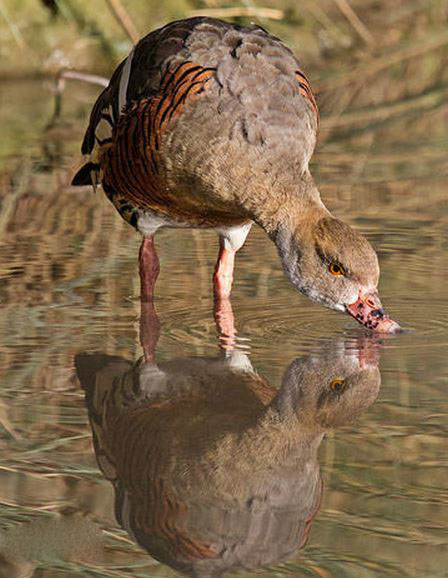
[[238, 12], [124, 20], [354, 20], [13, 28]]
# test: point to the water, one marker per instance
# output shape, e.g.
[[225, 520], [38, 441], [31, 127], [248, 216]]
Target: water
[[69, 287]]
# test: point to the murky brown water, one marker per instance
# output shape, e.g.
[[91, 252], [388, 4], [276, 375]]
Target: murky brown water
[[266, 422]]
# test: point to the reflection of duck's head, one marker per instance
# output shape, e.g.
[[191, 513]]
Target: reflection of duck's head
[[331, 388], [212, 467]]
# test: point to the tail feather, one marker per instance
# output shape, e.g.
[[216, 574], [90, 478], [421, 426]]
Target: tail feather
[[84, 175]]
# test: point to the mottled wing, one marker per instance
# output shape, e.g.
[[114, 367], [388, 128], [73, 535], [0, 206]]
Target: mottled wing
[[133, 165], [138, 76], [151, 86]]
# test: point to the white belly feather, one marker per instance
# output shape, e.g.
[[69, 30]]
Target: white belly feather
[[232, 237]]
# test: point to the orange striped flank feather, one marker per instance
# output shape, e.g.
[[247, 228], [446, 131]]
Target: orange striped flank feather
[[306, 91], [131, 164]]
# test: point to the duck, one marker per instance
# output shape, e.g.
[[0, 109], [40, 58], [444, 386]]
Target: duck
[[209, 124], [213, 467]]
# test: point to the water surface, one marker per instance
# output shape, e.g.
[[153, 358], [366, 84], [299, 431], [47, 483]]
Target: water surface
[[69, 286]]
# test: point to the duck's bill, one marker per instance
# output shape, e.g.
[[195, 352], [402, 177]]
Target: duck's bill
[[368, 311]]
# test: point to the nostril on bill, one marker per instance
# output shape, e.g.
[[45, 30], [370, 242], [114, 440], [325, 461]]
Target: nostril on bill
[[377, 313]]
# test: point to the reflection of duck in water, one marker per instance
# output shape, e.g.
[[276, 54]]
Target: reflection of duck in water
[[213, 468]]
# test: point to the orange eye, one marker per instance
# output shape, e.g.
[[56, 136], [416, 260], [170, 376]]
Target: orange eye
[[336, 269], [337, 384]]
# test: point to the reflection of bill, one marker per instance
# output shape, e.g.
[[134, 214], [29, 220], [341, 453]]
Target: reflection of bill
[[213, 468]]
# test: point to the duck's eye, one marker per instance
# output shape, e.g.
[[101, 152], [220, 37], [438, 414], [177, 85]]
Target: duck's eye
[[336, 269], [337, 384]]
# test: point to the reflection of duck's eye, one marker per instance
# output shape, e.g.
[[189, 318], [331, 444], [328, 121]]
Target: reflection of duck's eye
[[337, 384], [336, 269]]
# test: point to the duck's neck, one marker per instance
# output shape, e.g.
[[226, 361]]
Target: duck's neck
[[289, 216], [284, 438], [282, 208]]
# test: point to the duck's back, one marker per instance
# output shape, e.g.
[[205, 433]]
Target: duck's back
[[198, 111]]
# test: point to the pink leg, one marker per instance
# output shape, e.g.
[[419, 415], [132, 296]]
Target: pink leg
[[223, 277], [149, 267], [222, 285], [149, 322], [225, 323], [149, 330]]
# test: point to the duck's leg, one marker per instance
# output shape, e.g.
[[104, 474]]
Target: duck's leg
[[149, 268], [149, 330], [223, 275], [230, 241], [225, 323], [149, 321]]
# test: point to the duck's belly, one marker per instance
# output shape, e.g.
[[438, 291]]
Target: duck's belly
[[150, 212], [148, 222], [233, 233]]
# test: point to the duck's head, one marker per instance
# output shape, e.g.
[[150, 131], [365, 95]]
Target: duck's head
[[335, 266]]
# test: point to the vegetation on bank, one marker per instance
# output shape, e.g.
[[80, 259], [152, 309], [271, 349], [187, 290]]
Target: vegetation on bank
[[42, 36]]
